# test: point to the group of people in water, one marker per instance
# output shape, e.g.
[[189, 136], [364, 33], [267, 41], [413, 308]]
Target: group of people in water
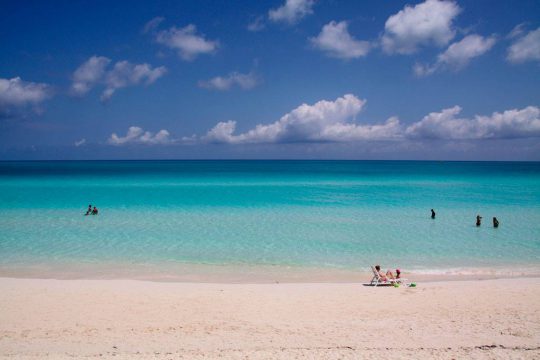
[[91, 211], [478, 219]]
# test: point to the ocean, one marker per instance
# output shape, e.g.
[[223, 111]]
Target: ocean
[[160, 219]]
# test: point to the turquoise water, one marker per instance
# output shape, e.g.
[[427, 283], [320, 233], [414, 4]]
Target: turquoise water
[[301, 214]]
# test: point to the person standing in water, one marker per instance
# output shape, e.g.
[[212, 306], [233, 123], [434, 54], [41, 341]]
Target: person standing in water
[[95, 211], [495, 222], [432, 214], [89, 211], [478, 220]]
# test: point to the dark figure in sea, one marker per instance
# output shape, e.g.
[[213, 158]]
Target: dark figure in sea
[[89, 211], [478, 220], [95, 211], [432, 214], [495, 222]]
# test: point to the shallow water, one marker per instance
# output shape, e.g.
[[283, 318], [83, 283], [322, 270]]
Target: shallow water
[[334, 215]]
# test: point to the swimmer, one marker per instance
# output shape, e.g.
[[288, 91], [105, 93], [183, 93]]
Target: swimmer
[[432, 214], [89, 211], [495, 222], [95, 211], [478, 220]]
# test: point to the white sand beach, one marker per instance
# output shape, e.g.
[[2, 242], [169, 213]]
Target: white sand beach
[[127, 319]]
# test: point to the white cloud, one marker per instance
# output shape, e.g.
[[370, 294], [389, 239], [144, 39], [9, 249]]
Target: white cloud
[[136, 135], [16, 92], [186, 41], [336, 41], [517, 31], [257, 24], [508, 124], [80, 142], [94, 71], [323, 121], [458, 55], [292, 11], [88, 74], [125, 74], [333, 121], [525, 48], [244, 81], [152, 24], [424, 24]]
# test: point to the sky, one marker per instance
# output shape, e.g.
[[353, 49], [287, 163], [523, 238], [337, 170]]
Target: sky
[[279, 79]]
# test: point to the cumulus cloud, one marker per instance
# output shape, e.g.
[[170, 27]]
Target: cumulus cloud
[[447, 125], [88, 74], [428, 23], [334, 121], [94, 71], [458, 55], [152, 24], [524, 48], [186, 41], [324, 121], [292, 11], [16, 94], [125, 74], [136, 135], [243, 81], [336, 41]]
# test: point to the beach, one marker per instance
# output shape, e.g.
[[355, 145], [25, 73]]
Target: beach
[[266, 259], [129, 319]]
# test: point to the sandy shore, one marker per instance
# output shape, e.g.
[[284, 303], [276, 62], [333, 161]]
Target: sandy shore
[[61, 319]]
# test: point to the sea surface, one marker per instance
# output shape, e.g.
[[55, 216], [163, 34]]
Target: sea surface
[[159, 218]]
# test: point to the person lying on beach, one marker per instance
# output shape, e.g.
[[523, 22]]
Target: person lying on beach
[[89, 211]]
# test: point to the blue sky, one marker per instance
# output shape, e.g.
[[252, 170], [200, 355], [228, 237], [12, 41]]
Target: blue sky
[[296, 79]]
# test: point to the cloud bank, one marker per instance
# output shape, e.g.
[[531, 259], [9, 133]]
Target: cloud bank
[[324, 121], [334, 122], [428, 23], [336, 41], [94, 71], [446, 124]]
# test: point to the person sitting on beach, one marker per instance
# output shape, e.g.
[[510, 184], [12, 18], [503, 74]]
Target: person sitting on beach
[[432, 214], [89, 211], [95, 211], [495, 222], [478, 220], [388, 275]]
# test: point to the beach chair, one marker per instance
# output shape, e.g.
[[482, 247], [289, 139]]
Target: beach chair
[[378, 281]]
